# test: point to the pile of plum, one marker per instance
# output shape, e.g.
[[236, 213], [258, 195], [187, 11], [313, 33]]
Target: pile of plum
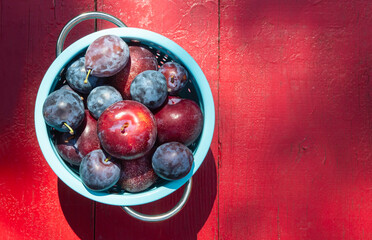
[[118, 118]]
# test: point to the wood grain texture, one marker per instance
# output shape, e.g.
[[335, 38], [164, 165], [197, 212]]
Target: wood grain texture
[[295, 126], [34, 205], [291, 156]]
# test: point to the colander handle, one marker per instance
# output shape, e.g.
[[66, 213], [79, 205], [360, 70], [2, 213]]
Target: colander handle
[[82, 17], [163, 216]]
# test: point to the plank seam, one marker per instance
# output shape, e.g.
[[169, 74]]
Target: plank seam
[[94, 220], [218, 117], [95, 20]]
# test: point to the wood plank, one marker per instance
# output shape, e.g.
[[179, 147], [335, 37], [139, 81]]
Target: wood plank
[[194, 26], [295, 126], [295, 129], [34, 203]]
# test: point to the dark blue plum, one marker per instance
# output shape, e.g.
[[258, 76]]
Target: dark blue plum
[[76, 74], [172, 161], [101, 98], [98, 172], [149, 88], [63, 106]]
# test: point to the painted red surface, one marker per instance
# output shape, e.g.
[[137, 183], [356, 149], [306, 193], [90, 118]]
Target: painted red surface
[[295, 120], [292, 153]]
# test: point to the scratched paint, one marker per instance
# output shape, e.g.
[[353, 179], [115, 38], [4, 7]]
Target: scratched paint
[[294, 120], [291, 156], [33, 205]]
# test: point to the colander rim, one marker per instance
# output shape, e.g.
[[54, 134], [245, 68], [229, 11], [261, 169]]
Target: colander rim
[[60, 169]]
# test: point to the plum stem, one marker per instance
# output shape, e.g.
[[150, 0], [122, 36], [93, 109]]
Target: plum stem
[[69, 128], [172, 79], [69, 138], [86, 79], [108, 159], [125, 125]]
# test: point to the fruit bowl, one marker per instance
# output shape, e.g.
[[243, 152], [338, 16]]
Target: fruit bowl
[[165, 49]]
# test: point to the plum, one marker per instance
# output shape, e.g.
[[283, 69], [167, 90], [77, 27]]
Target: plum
[[176, 76], [179, 120], [106, 56], [149, 88], [98, 172], [172, 161], [137, 175], [127, 130], [63, 110], [101, 98]]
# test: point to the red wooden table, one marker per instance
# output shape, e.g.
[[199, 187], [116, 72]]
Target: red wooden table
[[291, 156]]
